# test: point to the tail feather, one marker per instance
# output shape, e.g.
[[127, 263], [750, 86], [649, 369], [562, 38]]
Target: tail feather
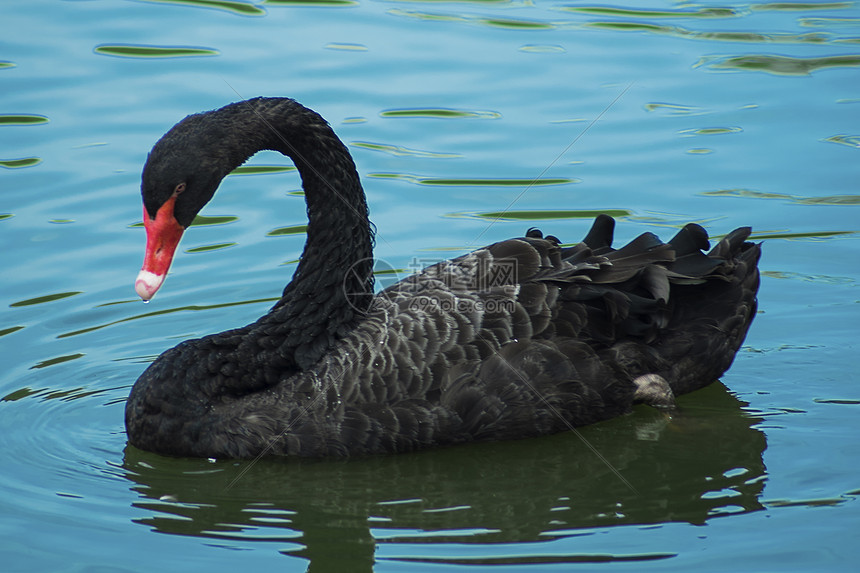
[[673, 309]]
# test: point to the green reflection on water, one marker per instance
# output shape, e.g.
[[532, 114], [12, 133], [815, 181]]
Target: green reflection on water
[[261, 169], [828, 22], [545, 215], [10, 330], [22, 119], [310, 3], [800, 6], [194, 307], [456, 1], [387, 272], [19, 163], [241, 8], [207, 248], [824, 279], [346, 47], [204, 221], [49, 394], [401, 151], [4, 65], [293, 230], [19, 394], [710, 131], [542, 49], [505, 23], [809, 235], [441, 113], [849, 140], [517, 24], [720, 36], [674, 109], [145, 51], [634, 13], [751, 193], [429, 17], [57, 360], [44, 298], [780, 65], [525, 560]]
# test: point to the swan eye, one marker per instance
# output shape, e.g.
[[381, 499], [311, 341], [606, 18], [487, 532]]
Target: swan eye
[[179, 189]]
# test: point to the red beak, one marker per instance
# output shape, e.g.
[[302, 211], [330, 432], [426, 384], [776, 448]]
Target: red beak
[[162, 237]]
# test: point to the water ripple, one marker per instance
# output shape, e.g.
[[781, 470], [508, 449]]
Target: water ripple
[[328, 3], [193, 307], [399, 151], [674, 108], [823, 279], [543, 215], [475, 181], [800, 199], [827, 22], [801, 6], [505, 23], [815, 235], [542, 49], [701, 12], [710, 131], [346, 47], [778, 65], [240, 8], [537, 559], [718, 36], [849, 140], [440, 113]]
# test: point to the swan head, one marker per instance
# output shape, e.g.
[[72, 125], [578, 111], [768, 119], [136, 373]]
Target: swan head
[[181, 175]]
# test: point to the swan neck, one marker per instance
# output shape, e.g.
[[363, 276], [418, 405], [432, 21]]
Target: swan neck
[[333, 283]]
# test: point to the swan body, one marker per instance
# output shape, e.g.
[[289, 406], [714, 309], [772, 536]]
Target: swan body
[[521, 338]]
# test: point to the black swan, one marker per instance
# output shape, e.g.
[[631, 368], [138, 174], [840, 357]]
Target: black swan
[[520, 338]]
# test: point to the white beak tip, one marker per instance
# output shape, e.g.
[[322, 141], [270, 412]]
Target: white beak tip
[[147, 284]]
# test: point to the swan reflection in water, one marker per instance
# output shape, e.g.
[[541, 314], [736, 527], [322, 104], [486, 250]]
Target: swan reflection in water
[[703, 463]]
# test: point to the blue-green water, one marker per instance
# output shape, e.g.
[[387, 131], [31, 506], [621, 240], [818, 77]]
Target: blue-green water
[[724, 114]]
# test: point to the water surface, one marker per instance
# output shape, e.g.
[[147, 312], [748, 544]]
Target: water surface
[[469, 122]]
